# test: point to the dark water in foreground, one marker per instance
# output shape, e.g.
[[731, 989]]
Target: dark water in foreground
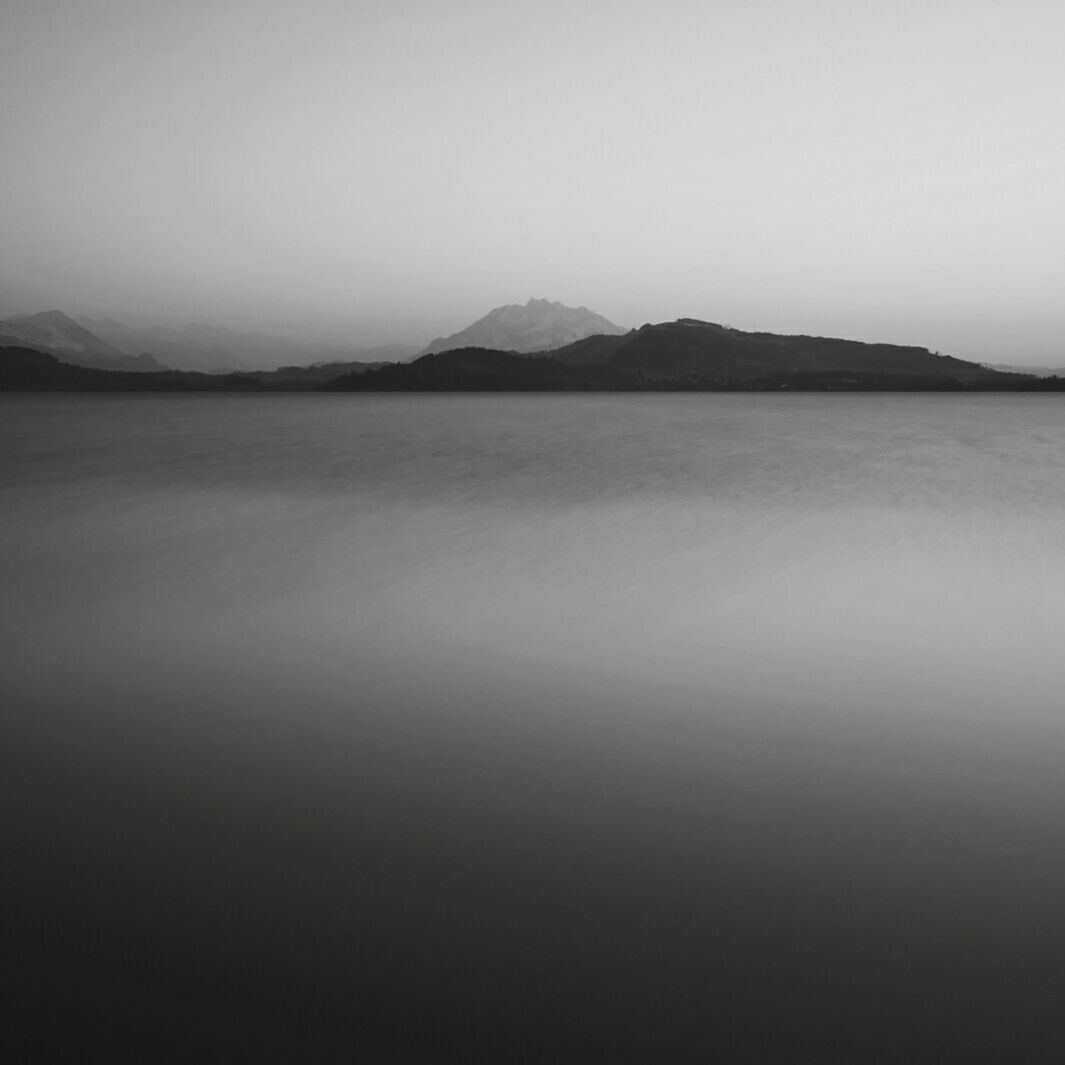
[[534, 729]]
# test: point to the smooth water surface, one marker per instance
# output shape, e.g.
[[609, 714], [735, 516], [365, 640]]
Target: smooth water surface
[[535, 728]]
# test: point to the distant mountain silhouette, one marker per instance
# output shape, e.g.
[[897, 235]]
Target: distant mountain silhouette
[[57, 334], [214, 349], [173, 347], [539, 325]]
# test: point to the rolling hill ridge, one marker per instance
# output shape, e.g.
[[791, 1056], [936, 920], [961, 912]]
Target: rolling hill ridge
[[688, 354]]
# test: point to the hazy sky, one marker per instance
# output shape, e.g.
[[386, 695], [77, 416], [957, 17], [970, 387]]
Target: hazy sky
[[392, 169]]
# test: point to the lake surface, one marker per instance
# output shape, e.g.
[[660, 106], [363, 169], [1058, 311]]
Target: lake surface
[[534, 728]]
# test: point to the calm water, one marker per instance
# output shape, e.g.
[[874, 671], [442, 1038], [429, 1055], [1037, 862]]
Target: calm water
[[534, 729]]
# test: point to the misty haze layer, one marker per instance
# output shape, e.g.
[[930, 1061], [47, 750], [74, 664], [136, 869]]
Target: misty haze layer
[[515, 729], [369, 172]]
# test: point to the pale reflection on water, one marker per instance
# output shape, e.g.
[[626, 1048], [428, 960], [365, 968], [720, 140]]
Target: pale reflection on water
[[536, 728]]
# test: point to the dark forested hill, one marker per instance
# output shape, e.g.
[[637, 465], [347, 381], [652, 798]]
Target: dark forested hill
[[690, 347], [27, 369], [687, 355], [24, 369]]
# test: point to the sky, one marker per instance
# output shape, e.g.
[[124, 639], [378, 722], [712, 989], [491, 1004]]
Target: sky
[[390, 170]]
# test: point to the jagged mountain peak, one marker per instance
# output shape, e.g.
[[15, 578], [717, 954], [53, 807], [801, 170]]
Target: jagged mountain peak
[[57, 332], [47, 318], [537, 325]]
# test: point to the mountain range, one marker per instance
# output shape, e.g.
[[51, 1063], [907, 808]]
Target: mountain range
[[52, 351], [59, 335], [108, 344], [214, 349]]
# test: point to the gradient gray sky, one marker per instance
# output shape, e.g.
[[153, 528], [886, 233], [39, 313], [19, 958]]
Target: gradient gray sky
[[392, 170]]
